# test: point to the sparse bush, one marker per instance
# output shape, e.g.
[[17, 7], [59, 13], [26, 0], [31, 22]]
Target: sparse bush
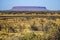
[[35, 28]]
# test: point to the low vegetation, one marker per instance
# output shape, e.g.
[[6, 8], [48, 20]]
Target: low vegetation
[[30, 28]]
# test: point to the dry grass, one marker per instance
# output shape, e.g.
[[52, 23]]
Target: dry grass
[[32, 28]]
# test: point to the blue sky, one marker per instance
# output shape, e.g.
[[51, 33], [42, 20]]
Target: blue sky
[[49, 4]]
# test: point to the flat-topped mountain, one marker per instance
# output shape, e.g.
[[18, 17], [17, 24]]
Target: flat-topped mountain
[[28, 8]]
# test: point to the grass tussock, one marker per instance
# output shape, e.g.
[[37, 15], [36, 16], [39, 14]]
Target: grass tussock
[[34, 28]]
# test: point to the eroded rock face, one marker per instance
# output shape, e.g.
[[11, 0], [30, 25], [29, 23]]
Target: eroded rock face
[[28, 8]]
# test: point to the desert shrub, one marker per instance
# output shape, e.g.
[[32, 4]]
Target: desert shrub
[[31, 29]]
